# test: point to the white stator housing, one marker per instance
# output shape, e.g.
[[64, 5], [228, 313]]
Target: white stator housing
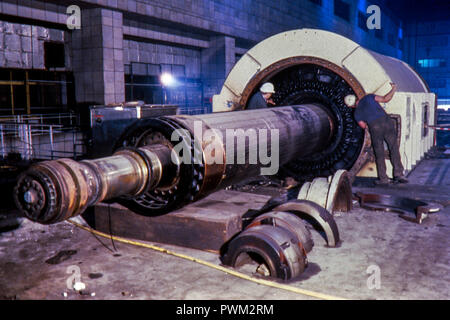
[[316, 66]]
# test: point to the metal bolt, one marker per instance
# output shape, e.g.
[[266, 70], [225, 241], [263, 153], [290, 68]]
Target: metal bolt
[[29, 196]]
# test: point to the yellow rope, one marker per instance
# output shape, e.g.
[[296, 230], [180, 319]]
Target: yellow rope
[[214, 266]]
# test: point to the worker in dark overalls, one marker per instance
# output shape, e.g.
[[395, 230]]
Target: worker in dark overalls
[[263, 98], [370, 114]]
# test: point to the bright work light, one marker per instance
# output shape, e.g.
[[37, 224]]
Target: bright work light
[[167, 80]]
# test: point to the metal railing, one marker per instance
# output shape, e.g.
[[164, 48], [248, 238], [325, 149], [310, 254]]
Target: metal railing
[[66, 119], [41, 137], [193, 110]]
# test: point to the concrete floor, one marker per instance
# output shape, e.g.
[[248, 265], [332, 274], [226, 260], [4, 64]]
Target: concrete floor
[[414, 260]]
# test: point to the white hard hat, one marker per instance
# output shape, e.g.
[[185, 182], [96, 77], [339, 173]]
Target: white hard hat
[[350, 100], [267, 88]]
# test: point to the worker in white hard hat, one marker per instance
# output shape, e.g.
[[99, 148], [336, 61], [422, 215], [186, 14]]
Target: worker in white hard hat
[[370, 114], [263, 98]]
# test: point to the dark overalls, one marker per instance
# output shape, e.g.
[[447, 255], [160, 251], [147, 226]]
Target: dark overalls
[[381, 128], [257, 101]]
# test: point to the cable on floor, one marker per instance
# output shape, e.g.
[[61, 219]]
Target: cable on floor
[[309, 293]]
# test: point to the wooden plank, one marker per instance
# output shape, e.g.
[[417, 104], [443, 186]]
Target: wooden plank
[[206, 224]]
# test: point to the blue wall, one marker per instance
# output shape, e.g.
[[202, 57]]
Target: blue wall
[[428, 51]]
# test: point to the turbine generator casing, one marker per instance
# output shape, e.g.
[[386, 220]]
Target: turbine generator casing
[[364, 72]]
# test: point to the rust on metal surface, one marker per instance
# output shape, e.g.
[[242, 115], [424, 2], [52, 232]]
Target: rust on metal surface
[[288, 221], [273, 246], [289, 62], [318, 213]]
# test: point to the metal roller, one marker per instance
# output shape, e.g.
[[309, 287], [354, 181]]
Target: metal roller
[[303, 130], [151, 174], [53, 191], [312, 71]]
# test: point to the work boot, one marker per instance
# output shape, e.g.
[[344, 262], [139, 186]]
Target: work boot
[[400, 180], [381, 182]]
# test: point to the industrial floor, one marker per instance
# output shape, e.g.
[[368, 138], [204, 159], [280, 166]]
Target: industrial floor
[[414, 260]]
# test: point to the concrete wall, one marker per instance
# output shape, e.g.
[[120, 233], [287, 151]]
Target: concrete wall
[[204, 35], [251, 20], [98, 57], [22, 46], [154, 53]]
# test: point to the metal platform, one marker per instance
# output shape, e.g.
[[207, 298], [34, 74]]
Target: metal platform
[[206, 224]]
